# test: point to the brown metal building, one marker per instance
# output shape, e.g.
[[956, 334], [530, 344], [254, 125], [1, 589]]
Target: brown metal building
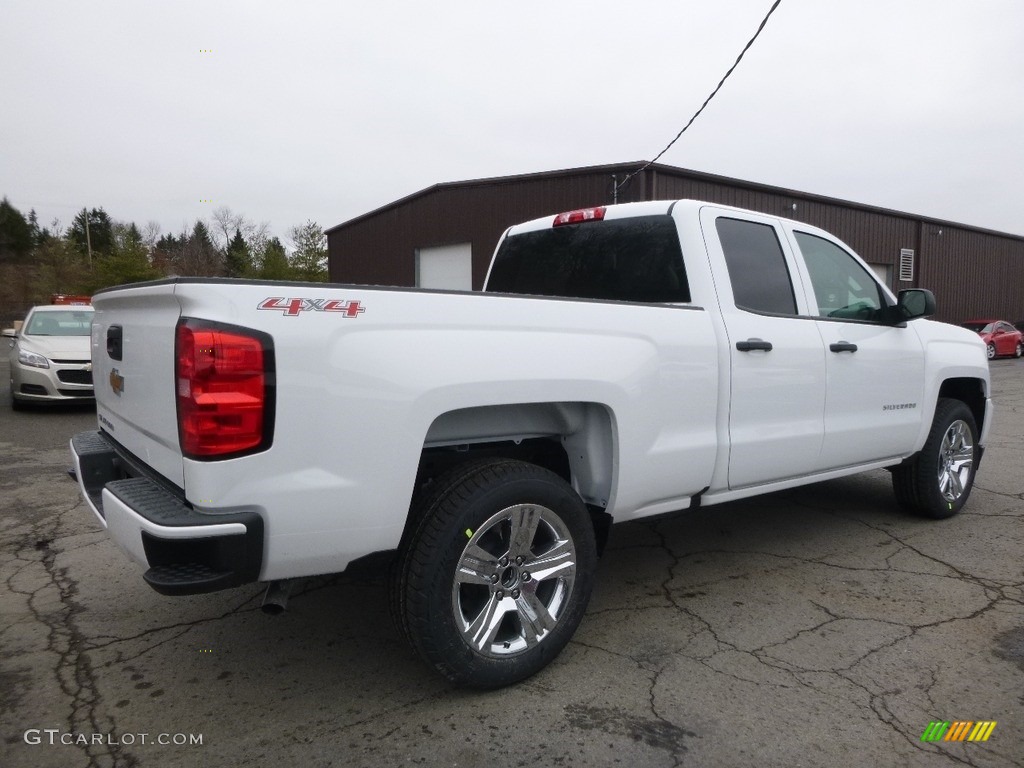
[[426, 237]]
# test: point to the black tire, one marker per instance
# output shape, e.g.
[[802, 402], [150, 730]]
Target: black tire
[[990, 350], [463, 590], [17, 405], [939, 479], [904, 485]]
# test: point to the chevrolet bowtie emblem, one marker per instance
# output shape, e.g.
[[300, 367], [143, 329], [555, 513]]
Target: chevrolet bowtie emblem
[[116, 382]]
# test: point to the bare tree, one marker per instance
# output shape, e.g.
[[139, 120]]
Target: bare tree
[[151, 233], [195, 254], [258, 238], [223, 226]]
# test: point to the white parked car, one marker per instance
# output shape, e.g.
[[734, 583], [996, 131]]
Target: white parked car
[[50, 355]]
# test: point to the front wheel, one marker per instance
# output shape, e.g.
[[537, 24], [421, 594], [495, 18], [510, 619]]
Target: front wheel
[[1019, 350], [497, 575], [937, 482], [990, 350]]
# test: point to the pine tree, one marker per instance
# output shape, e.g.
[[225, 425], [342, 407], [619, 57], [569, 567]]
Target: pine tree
[[197, 255], [274, 262], [100, 237], [237, 259], [15, 234], [309, 260]]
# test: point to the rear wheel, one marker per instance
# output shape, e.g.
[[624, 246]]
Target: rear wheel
[[497, 575], [937, 482]]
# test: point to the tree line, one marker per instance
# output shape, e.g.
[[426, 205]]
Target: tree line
[[95, 252]]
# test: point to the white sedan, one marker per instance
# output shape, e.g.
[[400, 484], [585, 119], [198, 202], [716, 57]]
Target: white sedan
[[50, 355]]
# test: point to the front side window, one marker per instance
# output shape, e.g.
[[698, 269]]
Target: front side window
[[843, 289], [757, 267]]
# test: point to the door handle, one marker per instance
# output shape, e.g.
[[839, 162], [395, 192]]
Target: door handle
[[843, 346], [115, 339], [752, 345]]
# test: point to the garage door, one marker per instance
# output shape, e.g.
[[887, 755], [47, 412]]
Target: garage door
[[448, 266]]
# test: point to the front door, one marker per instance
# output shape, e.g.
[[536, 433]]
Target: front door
[[874, 371]]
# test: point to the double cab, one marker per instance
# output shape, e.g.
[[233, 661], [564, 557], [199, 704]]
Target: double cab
[[622, 362]]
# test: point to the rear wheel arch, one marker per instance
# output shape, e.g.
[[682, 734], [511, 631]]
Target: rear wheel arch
[[575, 440]]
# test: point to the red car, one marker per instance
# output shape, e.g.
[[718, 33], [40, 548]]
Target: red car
[[999, 336]]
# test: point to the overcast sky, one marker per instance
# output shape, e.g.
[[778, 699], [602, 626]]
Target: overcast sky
[[288, 111]]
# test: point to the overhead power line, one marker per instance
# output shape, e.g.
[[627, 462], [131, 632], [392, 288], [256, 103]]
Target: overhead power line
[[764, 21]]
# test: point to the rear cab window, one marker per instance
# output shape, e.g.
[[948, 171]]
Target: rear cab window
[[635, 259]]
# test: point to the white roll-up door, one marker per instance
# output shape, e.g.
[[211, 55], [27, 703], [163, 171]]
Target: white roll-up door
[[447, 266]]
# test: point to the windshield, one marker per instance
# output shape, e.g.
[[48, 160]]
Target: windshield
[[71, 322]]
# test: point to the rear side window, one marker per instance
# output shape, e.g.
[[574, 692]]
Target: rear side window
[[757, 267], [635, 259]]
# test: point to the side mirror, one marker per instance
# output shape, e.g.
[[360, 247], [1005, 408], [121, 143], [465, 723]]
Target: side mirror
[[10, 333], [914, 303]]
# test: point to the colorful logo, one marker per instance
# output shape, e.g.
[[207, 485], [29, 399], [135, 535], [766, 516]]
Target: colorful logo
[[292, 307], [116, 382], [958, 730]]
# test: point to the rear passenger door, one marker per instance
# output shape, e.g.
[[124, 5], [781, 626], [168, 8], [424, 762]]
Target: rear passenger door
[[776, 362], [874, 370]]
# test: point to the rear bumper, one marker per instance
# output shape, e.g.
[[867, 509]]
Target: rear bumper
[[186, 552]]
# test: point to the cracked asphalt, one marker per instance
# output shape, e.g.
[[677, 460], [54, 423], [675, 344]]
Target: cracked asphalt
[[815, 627]]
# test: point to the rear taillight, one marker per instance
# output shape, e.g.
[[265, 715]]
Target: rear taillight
[[578, 216], [224, 392]]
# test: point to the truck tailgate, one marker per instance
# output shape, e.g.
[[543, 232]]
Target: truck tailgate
[[133, 367]]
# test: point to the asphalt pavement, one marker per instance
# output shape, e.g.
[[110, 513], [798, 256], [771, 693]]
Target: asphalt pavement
[[815, 627]]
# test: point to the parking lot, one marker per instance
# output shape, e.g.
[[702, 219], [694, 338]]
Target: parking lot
[[814, 627]]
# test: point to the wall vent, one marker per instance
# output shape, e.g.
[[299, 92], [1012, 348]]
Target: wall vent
[[906, 265]]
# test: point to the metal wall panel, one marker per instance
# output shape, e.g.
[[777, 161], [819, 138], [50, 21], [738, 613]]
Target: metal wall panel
[[971, 271]]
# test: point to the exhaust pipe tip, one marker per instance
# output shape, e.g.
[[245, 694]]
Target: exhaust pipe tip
[[275, 599]]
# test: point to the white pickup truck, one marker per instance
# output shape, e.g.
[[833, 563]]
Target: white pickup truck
[[623, 362]]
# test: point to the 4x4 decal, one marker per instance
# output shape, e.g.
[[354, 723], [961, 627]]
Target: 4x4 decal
[[292, 307]]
